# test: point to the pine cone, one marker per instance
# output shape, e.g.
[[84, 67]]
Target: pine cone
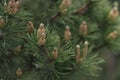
[[19, 72]]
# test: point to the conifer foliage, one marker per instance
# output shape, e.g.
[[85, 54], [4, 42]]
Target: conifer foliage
[[56, 39]]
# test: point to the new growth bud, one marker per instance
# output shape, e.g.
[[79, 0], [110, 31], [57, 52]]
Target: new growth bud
[[42, 40], [114, 13], [19, 72], [2, 22], [12, 7], [85, 49], [67, 34], [78, 58], [83, 29], [17, 49], [55, 53], [64, 6], [112, 35], [30, 27], [116, 4], [17, 4], [5, 7], [40, 30]]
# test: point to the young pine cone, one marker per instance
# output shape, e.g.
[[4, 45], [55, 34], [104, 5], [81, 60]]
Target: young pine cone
[[67, 34], [112, 35], [17, 49], [63, 12], [40, 30], [2, 22], [30, 27], [55, 53], [114, 13], [19, 72], [78, 54], [12, 8], [17, 4], [65, 4], [83, 29], [42, 40], [85, 49], [5, 7]]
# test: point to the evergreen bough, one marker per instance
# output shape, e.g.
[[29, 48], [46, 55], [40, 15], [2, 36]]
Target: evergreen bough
[[56, 39]]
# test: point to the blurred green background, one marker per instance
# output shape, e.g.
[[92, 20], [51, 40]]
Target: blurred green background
[[111, 69]]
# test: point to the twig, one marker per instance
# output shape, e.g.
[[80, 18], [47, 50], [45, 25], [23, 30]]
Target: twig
[[78, 12], [48, 58], [83, 9], [99, 47], [94, 32], [53, 18]]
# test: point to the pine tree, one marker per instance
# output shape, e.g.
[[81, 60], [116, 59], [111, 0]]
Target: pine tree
[[56, 39]]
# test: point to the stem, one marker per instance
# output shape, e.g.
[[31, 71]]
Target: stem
[[83, 9], [78, 12], [99, 47], [94, 32], [47, 55], [53, 18]]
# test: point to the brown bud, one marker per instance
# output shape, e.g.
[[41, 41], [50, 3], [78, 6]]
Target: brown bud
[[17, 4], [40, 30], [17, 49], [65, 4], [12, 8], [30, 27], [67, 34], [83, 29], [19, 72], [78, 54], [55, 53], [114, 13], [12, 4], [85, 49], [112, 35], [63, 12], [115, 4], [2, 22], [42, 40], [5, 7]]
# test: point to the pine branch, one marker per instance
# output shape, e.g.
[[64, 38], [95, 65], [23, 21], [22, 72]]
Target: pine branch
[[93, 32], [83, 9], [47, 55], [99, 47], [53, 18]]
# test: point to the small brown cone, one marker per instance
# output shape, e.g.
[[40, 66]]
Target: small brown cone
[[30, 27], [85, 49], [2, 22], [5, 7], [63, 12], [67, 34], [83, 29], [17, 49], [114, 13], [19, 72], [65, 4], [55, 53], [42, 40], [12, 8], [78, 54], [41, 30], [112, 35], [17, 4]]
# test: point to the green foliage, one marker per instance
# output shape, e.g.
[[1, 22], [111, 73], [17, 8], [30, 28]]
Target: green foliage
[[37, 62]]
